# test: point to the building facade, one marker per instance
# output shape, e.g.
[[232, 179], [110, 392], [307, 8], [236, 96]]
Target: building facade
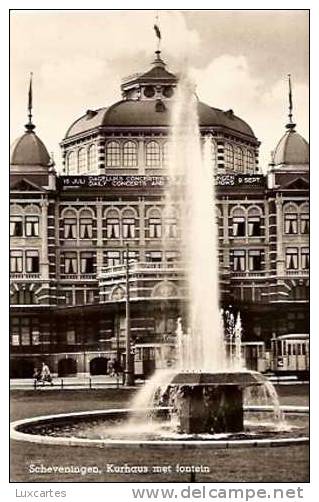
[[72, 233]]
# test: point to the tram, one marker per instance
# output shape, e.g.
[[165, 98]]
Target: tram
[[254, 356], [290, 355], [149, 357]]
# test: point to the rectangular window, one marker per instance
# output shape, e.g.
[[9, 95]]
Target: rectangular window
[[25, 335], [155, 228], [254, 227], [291, 224], [112, 228], [172, 256], [305, 258], [291, 258], [70, 263], [16, 263], [171, 228], [86, 228], [239, 256], [113, 258], [128, 228], [32, 261], [16, 226], [31, 226], [254, 260], [35, 337], [70, 337], [133, 256], [304, 223], [15, 339], [70, 228], [87, 263], [154, 256], [239, 226]]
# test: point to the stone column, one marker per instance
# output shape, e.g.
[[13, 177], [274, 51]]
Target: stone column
[[99, 237], [44, 260], [140, 157], [141, 209], [280, 258]]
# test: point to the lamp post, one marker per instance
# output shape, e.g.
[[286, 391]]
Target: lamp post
[[129, 359]]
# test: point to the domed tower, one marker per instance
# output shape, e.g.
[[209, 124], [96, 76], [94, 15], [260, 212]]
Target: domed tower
[[288, 183], [29, 159], [290, 159], [131, 137]]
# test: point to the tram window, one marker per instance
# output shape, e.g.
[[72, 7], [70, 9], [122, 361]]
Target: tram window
[[279, 349], [289, 349], [152, 353], [299, 349]]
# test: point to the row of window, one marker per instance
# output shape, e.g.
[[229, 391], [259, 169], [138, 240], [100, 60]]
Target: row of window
[[83, 160], [296, 223], [238, 159], [24, 226], [84, 263], [28, 226], [156, 155], [117, 228], [27, 261]]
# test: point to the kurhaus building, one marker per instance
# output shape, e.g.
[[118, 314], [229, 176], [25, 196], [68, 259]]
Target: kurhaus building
[[71, 232]]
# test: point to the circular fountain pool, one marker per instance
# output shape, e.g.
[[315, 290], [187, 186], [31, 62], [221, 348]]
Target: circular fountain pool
[[124, 427]]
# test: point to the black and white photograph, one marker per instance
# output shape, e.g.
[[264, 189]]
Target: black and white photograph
[[159, 247]]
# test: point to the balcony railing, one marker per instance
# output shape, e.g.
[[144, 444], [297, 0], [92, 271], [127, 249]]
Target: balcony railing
[[142, 267], [302, 273], [25, 275]]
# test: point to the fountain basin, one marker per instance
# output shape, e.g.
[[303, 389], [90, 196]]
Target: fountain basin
[[81, 429]]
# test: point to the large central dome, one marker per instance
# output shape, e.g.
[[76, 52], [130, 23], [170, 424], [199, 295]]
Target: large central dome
[[150, 113]]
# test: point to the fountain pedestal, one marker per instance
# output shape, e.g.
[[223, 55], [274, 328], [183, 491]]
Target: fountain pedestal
[[211, 402], [210, 409]]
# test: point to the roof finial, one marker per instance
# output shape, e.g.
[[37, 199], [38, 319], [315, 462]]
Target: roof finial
[[291, 125], [30, 126], [158, 60], [158, 33]]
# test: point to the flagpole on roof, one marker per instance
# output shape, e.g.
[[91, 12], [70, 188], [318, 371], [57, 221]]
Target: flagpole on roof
[[291, 124], [30, 126], [157, 33]]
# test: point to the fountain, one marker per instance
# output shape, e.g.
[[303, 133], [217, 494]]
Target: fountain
[[204, 395], [206, 392]]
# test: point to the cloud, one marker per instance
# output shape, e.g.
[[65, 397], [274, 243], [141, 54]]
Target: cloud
[[227, 82]]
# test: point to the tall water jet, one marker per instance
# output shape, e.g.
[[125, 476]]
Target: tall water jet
[[204, 392], [192, 187]]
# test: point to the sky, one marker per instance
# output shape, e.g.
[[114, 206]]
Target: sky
[[239, 60]]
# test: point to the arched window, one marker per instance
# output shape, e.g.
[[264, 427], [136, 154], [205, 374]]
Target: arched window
[[112, 224], [170, 221], [254, 221], [82, 160], [304, 218], [238, 157], [239, 222], [72, 163], [153, 158], [249, 161], [92, 158], [290, 218], [86, 225], [69, 224], [129, 154], [229, 156], [128, 223], [154, 220], [113, 154]]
